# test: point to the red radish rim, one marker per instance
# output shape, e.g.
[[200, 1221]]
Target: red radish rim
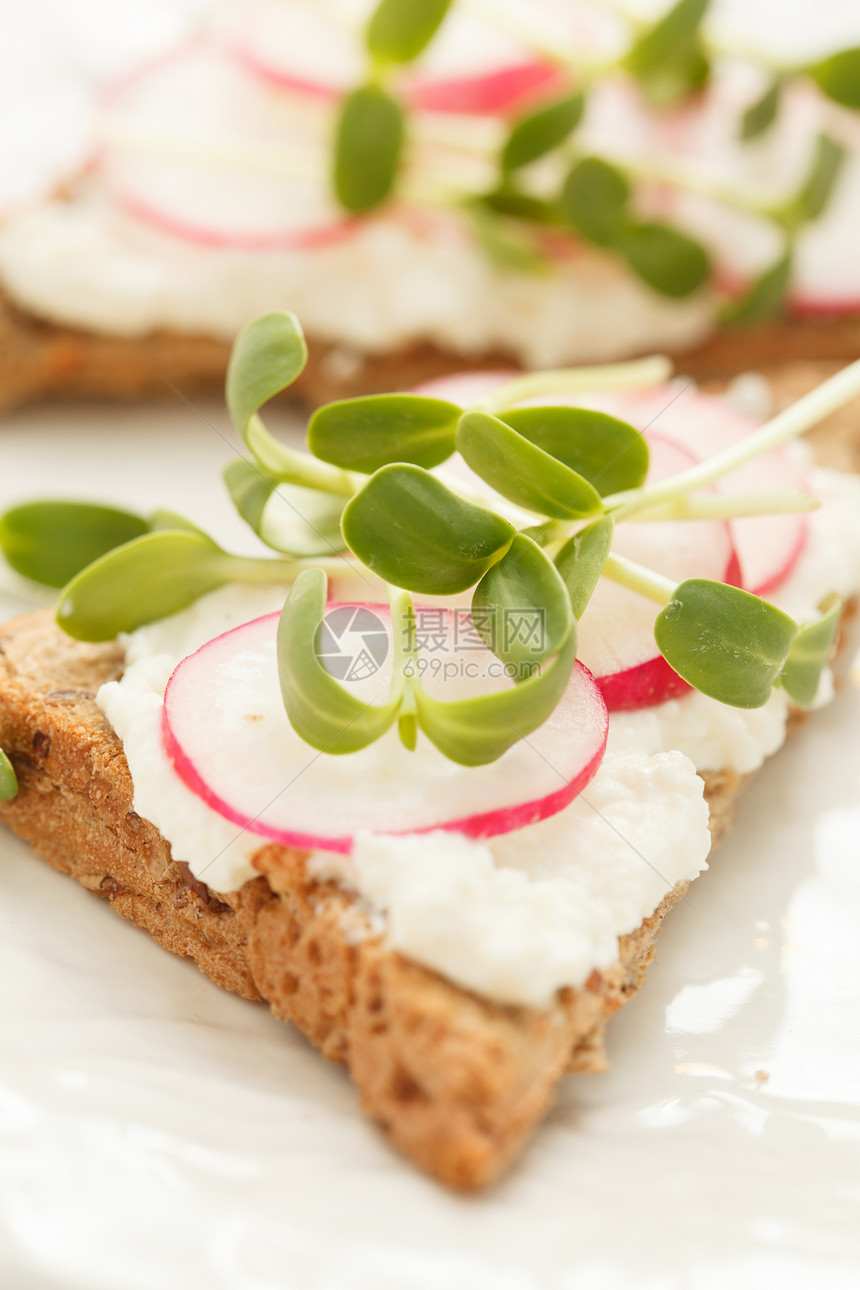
[[804, 306], [473, 826], [187, 231], [256, 67], [310, 239], [785, 571], [645, 686], [489, 94], [111, 90]]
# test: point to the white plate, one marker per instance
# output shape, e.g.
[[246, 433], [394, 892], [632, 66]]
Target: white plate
[[157, 1131]]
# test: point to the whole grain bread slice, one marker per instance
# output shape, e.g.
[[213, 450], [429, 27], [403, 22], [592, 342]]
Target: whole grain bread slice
[[41, 359], [457, 1082]]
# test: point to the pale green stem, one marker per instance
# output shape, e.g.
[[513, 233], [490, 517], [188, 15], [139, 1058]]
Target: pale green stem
[[789, 424], [246, 569], [637, 578], [691, 176], [732, 506], [293, 467], [578, 380], [403, 637], [405, 677]]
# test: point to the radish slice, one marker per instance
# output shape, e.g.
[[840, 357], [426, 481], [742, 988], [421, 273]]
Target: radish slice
[[473, 67], [313, 48], [465, 388], [203, 152], [228, 736], [616, 633], [826, 275], [768, 547]]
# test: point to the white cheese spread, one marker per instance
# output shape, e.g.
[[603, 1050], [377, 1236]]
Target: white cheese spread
[[518, 916], [84, 263]]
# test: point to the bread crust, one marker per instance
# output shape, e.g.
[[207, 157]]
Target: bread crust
[[40, 359], [456, 1082]]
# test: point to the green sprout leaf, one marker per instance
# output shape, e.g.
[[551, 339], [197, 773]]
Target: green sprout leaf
[[761, 114], [667, 58], [321, 712], [817, 189], [668, 260], [660, 43], [506, 241], [8, 779], [148, 578], [509, 200], [580, 561], [810, 652], [538, 132], [594, 201], [839, 77], [609, 453], [475, 731], [368, 144], [411, 530], [764, 297], [522, 472], [521, 607], [164, 519], [267, 356], [50, 542], [364, 434], [725, 642], [400, 30]]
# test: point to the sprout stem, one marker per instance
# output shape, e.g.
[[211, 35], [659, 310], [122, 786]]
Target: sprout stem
[[733, 506], [405, 644], [574, 380], [693, 177], [247, 569], [637, 578], [792, 422], [293, 467]]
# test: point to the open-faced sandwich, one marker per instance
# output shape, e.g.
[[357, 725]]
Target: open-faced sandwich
[[447, 184], [427, 777]]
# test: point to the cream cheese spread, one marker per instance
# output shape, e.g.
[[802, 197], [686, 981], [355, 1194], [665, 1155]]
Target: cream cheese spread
[[518, 916], [85, 263]]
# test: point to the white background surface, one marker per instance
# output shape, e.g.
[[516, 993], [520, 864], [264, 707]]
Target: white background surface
[[156, 1131]]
